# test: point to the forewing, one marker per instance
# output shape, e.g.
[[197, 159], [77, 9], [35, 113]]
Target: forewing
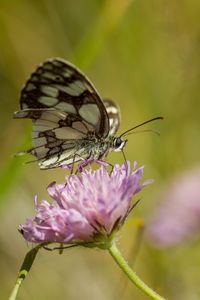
[[58, 85], [113, 115]]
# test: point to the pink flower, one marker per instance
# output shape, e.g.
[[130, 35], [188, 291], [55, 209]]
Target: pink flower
[[88, 207], [177, 218]]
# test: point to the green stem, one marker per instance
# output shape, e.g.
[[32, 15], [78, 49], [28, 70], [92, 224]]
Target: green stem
[[25, 268], [132, 275], [15, 290]]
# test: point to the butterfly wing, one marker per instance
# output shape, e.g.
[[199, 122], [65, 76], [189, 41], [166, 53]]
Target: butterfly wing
[[57, 137], [58, 84], [65, 109], [113, 115]]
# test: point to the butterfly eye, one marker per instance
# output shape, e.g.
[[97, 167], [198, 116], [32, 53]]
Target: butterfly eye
[[118, 144]]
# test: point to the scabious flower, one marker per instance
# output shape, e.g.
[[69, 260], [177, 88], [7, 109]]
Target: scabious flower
[[177, 218], [87, 208]]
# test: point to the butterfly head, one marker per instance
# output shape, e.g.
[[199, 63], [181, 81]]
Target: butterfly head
[[118, 144]]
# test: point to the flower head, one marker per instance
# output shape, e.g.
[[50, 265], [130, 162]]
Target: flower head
[[88, 207]]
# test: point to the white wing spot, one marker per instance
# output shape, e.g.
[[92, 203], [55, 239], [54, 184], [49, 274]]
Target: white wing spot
[[47, 162], [67, 146], [112, 109], [40, 141], [41, 152], [79, 126], [42, 122], [57, 63], [43, 125], [35, 134], [48, 66], [80, 85], [66, 107], [34, 78], [65, 89], [49, 101], [40, 128], [68, 133], [51, 116], [30, 86], [72, 89], [90, 113], [49, 75], [66, 154], [49, 91], [67, 73]]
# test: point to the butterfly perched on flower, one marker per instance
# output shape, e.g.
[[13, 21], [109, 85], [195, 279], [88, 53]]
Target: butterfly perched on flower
[[70, 120]]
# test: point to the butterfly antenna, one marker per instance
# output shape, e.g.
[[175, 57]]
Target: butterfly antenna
[[129, 131], [146, 130]]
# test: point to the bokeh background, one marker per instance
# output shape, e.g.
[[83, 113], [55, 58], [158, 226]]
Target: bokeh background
[[145, 56]]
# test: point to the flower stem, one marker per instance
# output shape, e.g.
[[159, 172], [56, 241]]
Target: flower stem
[[132, 275], [25, 268]]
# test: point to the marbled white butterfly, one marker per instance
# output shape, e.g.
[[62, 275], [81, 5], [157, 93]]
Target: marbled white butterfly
[[70, 121]]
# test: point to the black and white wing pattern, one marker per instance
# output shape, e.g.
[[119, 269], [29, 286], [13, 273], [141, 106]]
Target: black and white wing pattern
[[66, 111], [114, 117]]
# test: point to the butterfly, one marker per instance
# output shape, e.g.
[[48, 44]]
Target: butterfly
[[70, 120]]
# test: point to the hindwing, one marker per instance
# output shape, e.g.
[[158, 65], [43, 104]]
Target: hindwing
[[113, 116], [57, 137]]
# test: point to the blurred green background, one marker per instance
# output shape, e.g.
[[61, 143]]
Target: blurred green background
[[145, 56]]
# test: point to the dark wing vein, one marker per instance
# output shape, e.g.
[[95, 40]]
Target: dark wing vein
[[59, 85]]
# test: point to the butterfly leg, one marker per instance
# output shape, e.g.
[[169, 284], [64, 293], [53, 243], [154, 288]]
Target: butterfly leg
[[74, 161]]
